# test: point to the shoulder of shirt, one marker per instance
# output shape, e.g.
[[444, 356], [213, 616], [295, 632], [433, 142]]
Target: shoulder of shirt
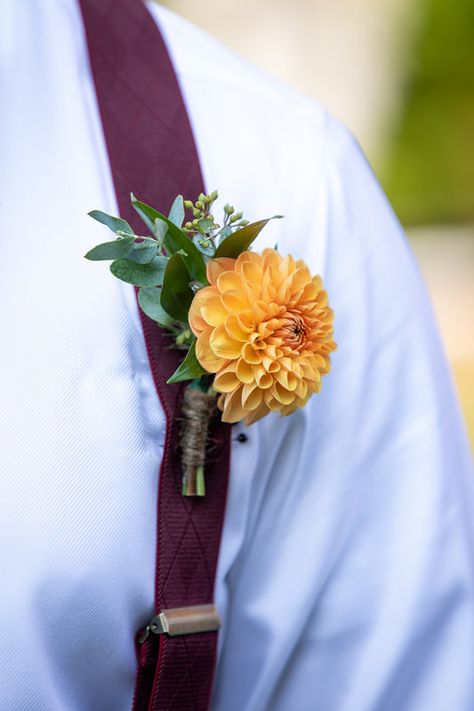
[[198, 56]]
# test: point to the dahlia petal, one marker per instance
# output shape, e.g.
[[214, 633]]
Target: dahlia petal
[[229, 281], [232, 410], [205, 355], [246, 320], [259, 311], [310, 292], [297, 281], [301, 388], [252, 292], [318, 361], [251, 396], [234, 301], [273, 323], [283, 294], [297, 369], [271, 352], [271, 257], [263, 329], [202, 295], [270, 401], [289, 409], [252, 272], [281, 377], [223, 345], [269, 290], [282, 395], [255, 415], [292, 381], [232, 327], [244, 371], [250, 355], [196, 321], [216, 266], [213, 310], [270, 365], [258, 342], [273, 276], [246, 257], [226, 381], [317, 280], [264, 380]]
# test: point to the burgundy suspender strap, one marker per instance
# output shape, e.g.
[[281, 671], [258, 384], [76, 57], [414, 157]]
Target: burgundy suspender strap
[[152, 152]]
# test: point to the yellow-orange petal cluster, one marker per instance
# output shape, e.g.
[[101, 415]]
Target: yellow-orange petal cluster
[[264, 327]]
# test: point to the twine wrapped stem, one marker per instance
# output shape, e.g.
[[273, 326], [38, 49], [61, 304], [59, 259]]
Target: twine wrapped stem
[[198, 409]]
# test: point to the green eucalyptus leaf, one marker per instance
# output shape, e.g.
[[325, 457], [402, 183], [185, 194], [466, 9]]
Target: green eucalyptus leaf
[[189, 369], [199, 240], [174, 240], [114, 223], [177, 211], [140, 274], [205, 224], [143, 252], [176, 295], [149, 299], [240, 241], [116, 249]]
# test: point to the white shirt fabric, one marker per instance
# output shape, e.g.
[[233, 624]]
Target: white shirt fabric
[[345, 578]]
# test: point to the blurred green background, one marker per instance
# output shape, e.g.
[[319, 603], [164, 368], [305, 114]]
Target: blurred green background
[[429, 171], [400, 74]]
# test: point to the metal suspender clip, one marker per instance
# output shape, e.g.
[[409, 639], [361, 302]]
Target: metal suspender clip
[[183, 620]]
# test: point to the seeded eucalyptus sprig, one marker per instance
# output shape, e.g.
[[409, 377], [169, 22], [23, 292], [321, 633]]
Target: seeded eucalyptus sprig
[[205, 232]]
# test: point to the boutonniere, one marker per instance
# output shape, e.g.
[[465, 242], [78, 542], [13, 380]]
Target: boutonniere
[[255, 329]]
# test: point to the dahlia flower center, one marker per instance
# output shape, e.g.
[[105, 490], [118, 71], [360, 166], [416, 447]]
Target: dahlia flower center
[[293, 331]]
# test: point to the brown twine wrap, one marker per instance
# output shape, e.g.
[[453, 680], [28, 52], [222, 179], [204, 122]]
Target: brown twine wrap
[[198, 409]]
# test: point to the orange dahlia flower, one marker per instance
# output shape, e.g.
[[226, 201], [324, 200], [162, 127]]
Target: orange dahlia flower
[[264, 327]]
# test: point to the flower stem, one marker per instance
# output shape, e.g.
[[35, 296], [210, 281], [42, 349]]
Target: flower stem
[[200, 482], [194, 484]]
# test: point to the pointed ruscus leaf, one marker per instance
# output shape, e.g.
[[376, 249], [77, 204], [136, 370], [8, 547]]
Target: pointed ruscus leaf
[[189, 369], [176, 295], [240, 241]]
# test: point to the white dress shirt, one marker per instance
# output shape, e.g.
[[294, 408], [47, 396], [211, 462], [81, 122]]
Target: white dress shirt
[[345, 579]]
